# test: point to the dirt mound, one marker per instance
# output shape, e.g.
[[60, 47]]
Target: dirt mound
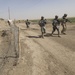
[[8, 50]]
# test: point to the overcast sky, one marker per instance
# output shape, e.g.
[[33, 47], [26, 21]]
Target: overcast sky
[[34, 9]]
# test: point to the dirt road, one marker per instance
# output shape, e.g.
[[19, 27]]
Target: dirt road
[[48, 56]]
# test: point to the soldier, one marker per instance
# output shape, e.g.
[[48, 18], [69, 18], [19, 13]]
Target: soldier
[[56, 24], [10, 22], [42, 24], [63, 23], [27, 23]]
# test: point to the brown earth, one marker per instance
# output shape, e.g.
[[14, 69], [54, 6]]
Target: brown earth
[[38, 56]]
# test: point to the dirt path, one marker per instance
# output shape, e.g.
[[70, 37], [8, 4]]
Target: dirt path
[[48, 56], [63, 55], [7, 53]]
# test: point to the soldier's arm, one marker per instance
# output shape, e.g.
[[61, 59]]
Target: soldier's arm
[[45, 21], [69, 21], [28, 22], [39, 23], [59, 22], [52, 22]]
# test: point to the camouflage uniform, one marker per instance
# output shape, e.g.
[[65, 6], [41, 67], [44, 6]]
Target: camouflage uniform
[[10, 22], [42, 24], [55, 24], [63, 23], [27, 23]]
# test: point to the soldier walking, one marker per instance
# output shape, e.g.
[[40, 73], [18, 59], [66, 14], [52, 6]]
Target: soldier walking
[[42, 24], [27, 23], [63, 23], [56, 24]]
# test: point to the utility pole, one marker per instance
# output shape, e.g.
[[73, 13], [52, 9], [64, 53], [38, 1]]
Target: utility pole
[[9, 13]]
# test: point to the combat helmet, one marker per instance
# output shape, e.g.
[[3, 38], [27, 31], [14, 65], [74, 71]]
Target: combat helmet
[[56, 16], [42, 17], [65, 15]]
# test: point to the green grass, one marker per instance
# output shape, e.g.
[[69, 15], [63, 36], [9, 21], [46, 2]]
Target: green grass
[[72, 19]]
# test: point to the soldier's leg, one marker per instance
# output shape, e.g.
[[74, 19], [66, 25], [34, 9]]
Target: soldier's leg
[[44, 29], [42, 32], [58, 32], [53, 30], [27, 26], [63, 29], [41, 29]]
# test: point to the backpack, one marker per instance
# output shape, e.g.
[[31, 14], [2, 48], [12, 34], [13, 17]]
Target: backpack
[[42, 23]]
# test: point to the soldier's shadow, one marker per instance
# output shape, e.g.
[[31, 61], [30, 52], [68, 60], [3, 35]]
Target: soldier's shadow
[[34, 36], [46, 35], [34, 29], [49, 35]]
